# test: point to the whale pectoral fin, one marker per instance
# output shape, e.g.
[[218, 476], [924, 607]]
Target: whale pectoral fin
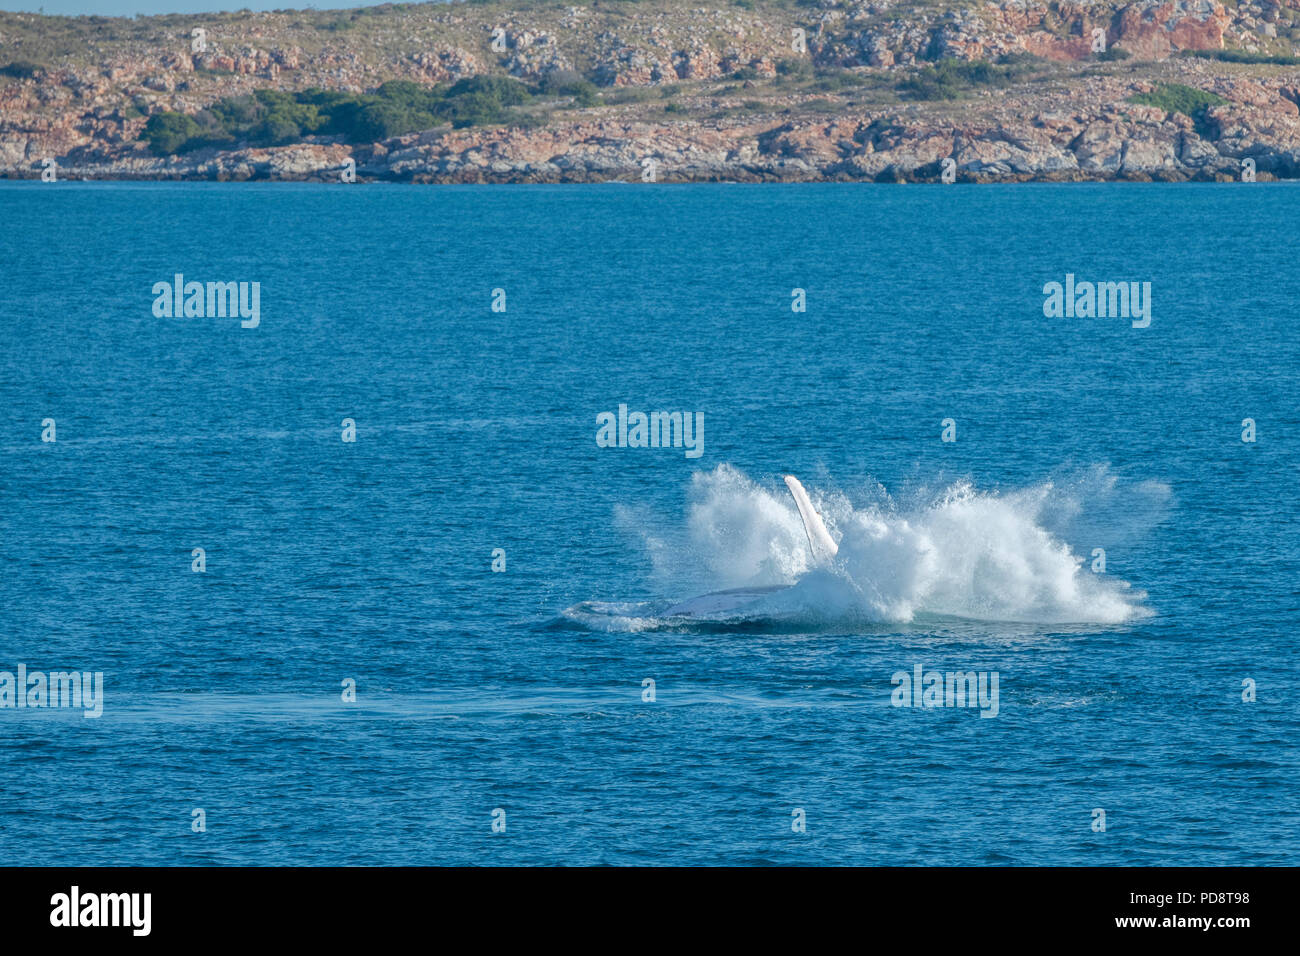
[[821, 543]]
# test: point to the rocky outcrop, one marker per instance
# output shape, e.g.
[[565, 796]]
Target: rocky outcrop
[[1151, 29], [534, 55], [1116, 141], [445, 65], [628, 66]]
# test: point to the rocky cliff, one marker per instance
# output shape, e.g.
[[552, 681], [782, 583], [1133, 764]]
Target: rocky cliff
[[750, 90]]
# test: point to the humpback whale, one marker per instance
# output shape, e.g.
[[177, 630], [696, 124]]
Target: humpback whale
[[737, 600]]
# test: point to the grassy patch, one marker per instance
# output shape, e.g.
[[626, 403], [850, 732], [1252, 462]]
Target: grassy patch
[[1176, 98], [1242, 56], [620, 95], [953, 79]]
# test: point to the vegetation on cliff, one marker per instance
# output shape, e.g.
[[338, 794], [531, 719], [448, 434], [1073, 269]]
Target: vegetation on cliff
[[21, 69], [751, 90], [1177, 98], [276, 118], [951, 79], [270, 117], [1243, 56]]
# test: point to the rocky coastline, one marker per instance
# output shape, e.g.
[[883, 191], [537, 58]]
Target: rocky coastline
[[757, 91]]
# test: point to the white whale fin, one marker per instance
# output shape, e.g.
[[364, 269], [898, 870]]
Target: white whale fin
[[819, 539]]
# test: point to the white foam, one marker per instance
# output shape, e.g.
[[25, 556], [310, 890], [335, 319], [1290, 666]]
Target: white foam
[[958, 552]]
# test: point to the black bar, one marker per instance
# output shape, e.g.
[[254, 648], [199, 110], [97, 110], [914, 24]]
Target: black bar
[[302, 905]]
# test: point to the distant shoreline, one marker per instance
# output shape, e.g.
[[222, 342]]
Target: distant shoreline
[[9, 177], [580, 91]]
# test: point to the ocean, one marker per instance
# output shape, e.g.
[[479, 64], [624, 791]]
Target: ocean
[[429, 621]]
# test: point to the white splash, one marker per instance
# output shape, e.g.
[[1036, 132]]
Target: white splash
[[959, 552]]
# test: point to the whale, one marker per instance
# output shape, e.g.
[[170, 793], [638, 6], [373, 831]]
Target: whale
[[737, 602]]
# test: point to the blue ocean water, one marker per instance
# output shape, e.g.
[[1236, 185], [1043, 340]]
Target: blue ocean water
[[522, 690]]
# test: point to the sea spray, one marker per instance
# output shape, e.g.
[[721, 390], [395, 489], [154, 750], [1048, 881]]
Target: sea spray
[[959, 552]]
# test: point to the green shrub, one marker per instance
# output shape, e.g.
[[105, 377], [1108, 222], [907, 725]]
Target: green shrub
[[376, 121], [279, 132], [168, 132], [950, 79], [504, 90], [619, 95], [571, 83], [1176, 98], [794, 67], [277, 118], [1243, 56], [476, 108], [829, 81], [21, 69], [1021, 64], [407, 95], [236, 112]]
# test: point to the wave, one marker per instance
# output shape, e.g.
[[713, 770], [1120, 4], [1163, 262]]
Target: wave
[[951, 552]]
